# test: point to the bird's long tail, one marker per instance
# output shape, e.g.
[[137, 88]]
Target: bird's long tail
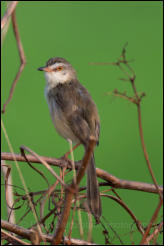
[[93, 195]]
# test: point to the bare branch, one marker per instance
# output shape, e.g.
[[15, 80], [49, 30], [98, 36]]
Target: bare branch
[[22, 60], [131, 78], [8, 13], [111, 179], [12, 239], [28, 234], [51, 161]]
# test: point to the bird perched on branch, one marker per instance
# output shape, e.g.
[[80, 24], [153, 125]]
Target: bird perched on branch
[[75, 117]]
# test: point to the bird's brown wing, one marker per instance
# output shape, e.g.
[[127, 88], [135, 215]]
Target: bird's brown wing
[[79, 109]]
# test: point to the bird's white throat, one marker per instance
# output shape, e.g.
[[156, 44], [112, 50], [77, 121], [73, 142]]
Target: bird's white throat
[[55, 78]]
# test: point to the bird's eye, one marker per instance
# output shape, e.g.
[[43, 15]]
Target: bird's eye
[[59, 68]]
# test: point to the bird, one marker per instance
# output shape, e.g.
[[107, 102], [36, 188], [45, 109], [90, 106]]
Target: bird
[[75, 117]]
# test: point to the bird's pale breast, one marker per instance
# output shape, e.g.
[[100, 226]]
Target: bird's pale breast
[[59, 120]]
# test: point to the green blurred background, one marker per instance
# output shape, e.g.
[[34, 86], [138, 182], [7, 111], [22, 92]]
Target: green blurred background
[[85, 32]]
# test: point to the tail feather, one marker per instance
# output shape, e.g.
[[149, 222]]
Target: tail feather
[[93, 195]]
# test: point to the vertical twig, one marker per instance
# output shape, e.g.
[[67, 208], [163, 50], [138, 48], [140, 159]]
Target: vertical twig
[[145, 152], [76, 200], [9, 193], [60, 228], [137, 101], [22, 60], [89, 236], [8, 13], [21, 177]]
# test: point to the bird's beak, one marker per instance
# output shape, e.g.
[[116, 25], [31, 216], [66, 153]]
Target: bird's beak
[[45, 69]]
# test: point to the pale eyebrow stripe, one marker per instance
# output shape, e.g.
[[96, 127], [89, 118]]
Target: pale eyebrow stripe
[[56, 65]]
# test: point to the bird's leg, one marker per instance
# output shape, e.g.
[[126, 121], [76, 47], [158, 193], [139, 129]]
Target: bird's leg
[[65, 156]]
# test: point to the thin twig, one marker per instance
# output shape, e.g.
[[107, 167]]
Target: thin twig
[[137, 101], [155, 233], [60, 228], [12, 239], [5, 29], [145, 152], [72, 220], [8, 191], [122, 95], [8, 13], [45, 164], [114, 231], [20, 175], [137, 222], [38, 171], [76, 201], [144, 238], [142, 137], [46, 195], [22, 60], [90, 227]]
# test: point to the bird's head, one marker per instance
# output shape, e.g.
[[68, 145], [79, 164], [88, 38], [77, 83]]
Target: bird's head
[[58, 71]]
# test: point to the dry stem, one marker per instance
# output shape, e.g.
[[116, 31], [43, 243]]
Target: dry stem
[[21, 54], [69, 195]]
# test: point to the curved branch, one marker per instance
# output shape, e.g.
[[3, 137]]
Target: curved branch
[[119, 201]]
